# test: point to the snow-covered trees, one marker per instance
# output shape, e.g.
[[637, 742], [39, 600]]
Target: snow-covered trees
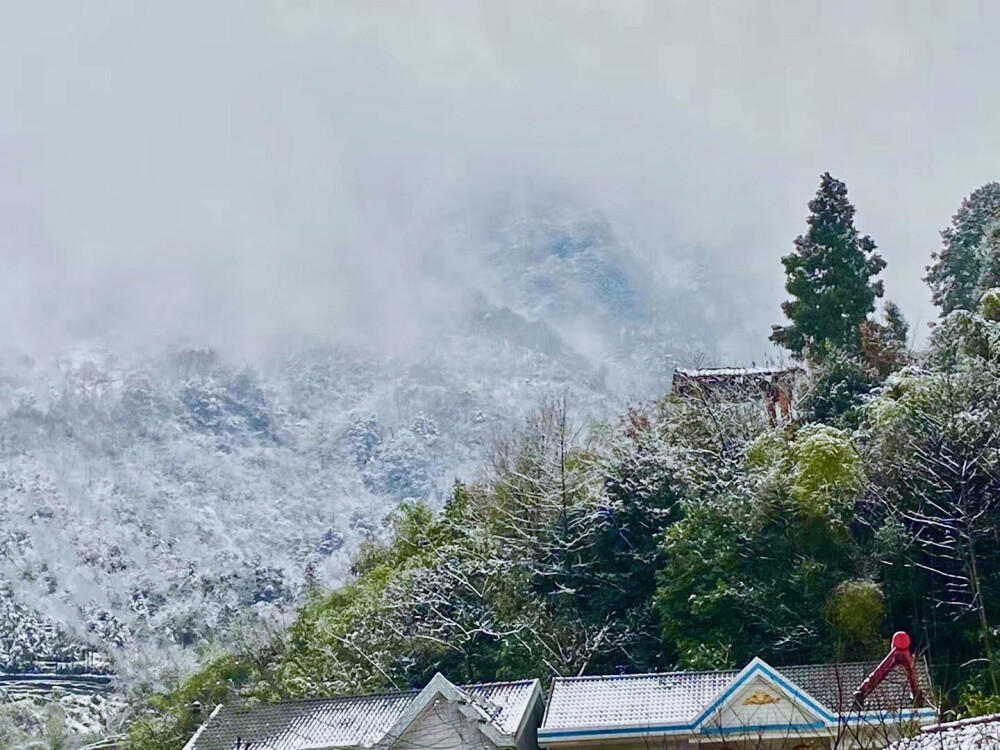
[[829, 276], [484, 587], [753, 564], [968, 262], [934, 443], [153, 507], [690, 534]]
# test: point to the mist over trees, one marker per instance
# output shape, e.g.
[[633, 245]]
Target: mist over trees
[[157, 506], [275, 274], [692, 533]]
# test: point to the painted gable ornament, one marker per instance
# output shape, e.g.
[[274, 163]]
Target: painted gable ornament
[[761, 698]]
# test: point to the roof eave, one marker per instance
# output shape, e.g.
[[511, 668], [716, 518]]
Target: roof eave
[[197, 733], [533, 700], [825, 729]]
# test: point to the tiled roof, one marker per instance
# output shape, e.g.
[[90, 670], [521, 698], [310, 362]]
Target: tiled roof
[[980, 733], [577, 702], [353, 721], [834, 685], [652, 699], [335, 722], [512, 699]]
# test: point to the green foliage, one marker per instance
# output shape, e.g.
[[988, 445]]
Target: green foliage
[[750, 572], [769, 455], [967, 263], [829, 276], [605, 576], [837, 390], [976, 699], [856, 610], [841, 384], [884, 347], [965, 337], [696, 595], [693, 534], [417, 532], [171, 718], [748, 580], [931, 445], [701, 656], [896, 327], [818, 468], [989, 305], [828, 475]]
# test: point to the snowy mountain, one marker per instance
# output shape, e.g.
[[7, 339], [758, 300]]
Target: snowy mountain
[[156, 504]]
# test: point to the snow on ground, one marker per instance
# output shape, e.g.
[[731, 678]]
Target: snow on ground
[[156, 505], [978, 733]]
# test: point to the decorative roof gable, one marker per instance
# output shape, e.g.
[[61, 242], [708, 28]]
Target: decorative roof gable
[[762, 698], [480, 711], [500, 710]]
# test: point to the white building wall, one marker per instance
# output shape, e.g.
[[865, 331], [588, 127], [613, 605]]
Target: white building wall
[[442, 726], [527, 739]]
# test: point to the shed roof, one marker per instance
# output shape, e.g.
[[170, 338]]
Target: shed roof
[[979, 733], [731, 372]]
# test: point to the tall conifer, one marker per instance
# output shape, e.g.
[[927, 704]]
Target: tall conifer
[[968, 263], [830, 277]]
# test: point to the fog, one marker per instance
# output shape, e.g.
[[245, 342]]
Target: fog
[[228, 173]]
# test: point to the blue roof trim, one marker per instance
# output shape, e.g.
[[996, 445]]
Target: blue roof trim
[[759, 666], [908, 713], [614, 731], [765, 728], [905, 713]]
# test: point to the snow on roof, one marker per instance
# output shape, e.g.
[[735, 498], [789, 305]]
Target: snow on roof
[[350, 721], [655, 699], [512, 698], [978, 733], [728, 372], [622, 700]]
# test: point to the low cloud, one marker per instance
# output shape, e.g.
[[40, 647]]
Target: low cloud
[[230, 173]]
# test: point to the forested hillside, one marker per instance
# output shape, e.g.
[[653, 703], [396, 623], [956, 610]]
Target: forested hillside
[[693, 533], [161, 505]]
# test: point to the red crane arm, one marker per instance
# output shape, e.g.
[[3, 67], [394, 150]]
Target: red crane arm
[[899, 655]]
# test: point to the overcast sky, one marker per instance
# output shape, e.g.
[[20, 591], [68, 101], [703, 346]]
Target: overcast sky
[[225, 170]]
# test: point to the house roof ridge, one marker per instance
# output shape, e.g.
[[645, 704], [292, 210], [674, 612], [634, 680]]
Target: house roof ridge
[[636, 675], [855, 663], [733, 671], [377, 694], [468, 685], [969, 721], [326, 699]]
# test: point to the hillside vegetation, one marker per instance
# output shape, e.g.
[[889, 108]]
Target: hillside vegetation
[[693, 533], [158, 505]]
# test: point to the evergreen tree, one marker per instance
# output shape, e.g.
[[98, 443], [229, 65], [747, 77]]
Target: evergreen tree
[[896, 327], [829, 276], [969, 260]]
